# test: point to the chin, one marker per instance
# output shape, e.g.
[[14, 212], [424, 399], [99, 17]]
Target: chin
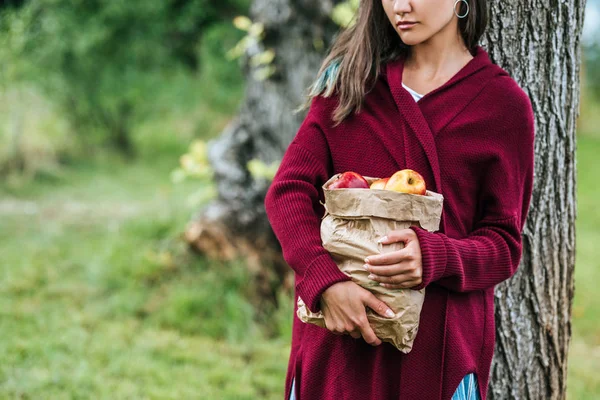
[[411, 40]]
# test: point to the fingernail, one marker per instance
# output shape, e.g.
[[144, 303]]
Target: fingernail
[[366, 267], [367, 259], [382, 239], [390, 313], [371, 276]]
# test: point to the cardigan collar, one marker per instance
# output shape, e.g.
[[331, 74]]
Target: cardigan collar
[[453, 96], [392, 71]]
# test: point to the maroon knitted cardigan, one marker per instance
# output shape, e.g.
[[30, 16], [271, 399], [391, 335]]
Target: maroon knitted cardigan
[[472, 140]]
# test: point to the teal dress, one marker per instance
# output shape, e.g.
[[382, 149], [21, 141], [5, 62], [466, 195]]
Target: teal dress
[[466, 390]]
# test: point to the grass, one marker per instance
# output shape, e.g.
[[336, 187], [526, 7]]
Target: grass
[[99, 298], [584, 355], [99, 295]]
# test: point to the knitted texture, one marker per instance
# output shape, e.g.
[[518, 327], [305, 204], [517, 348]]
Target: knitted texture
[[472, 140]]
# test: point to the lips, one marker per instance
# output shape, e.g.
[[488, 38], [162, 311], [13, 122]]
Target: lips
[[405, 23]]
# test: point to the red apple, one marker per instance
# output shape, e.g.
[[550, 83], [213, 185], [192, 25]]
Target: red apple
[[406, 181], [379, 183], [349, 180]]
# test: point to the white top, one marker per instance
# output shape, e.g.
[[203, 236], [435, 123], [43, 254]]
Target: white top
[[415, 95]]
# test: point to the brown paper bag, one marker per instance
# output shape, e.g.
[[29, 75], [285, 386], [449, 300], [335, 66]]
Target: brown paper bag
[[354, 219]]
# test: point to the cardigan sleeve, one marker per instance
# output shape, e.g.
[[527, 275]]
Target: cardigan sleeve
[[491, 253], [294, 212]]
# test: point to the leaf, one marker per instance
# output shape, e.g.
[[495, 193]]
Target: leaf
[[256, 30], [263, 73], [239, 49], [266, 57], [198, 151], [202, 195], [178, 175], [187, 162], [258, 169], [318, 43], [343, 14], [242, 22]]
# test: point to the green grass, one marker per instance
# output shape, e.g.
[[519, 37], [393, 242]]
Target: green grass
[[99, 297], [584, 355]]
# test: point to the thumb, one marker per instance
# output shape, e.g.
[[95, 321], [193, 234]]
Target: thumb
[[378, 306]]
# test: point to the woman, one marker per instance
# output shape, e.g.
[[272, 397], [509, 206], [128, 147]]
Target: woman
[[423, 96]]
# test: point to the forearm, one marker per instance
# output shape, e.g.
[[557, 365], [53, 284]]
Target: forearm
[[489, 255], [293, 209]]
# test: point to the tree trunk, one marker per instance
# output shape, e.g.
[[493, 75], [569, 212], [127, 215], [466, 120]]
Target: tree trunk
[[235, 224], [538, 43]]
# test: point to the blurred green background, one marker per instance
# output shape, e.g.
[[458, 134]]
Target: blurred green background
[[99, 297]]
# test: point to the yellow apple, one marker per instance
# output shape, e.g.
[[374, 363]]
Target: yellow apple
[[379, 183], [406, 181]]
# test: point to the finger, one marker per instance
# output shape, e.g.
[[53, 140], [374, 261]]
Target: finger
[[392, 287], [388, 270], [405, 235], [378, 306], [369, 335], [395, 279], [403, 285], [407, 272], [392, 257], [331, 328], [356, 334]]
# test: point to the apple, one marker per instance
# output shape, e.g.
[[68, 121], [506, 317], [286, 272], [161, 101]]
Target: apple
[[406, 181], [379, 183], [349, 180]]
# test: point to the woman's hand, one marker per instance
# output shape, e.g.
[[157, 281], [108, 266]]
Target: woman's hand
[[343, 306], [401, 269]]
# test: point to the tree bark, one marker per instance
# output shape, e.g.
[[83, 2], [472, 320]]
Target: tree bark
[[235, 224], [538, 44]]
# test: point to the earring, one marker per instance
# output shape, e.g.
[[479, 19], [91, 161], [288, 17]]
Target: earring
[[461, 16]]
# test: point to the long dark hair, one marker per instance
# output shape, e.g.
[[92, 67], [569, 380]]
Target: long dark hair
[[354, 59]]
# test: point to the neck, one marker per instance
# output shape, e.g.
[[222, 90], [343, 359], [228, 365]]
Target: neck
[[437, 55]]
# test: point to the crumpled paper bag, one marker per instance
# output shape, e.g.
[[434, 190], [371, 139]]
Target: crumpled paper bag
[[353, 221]]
